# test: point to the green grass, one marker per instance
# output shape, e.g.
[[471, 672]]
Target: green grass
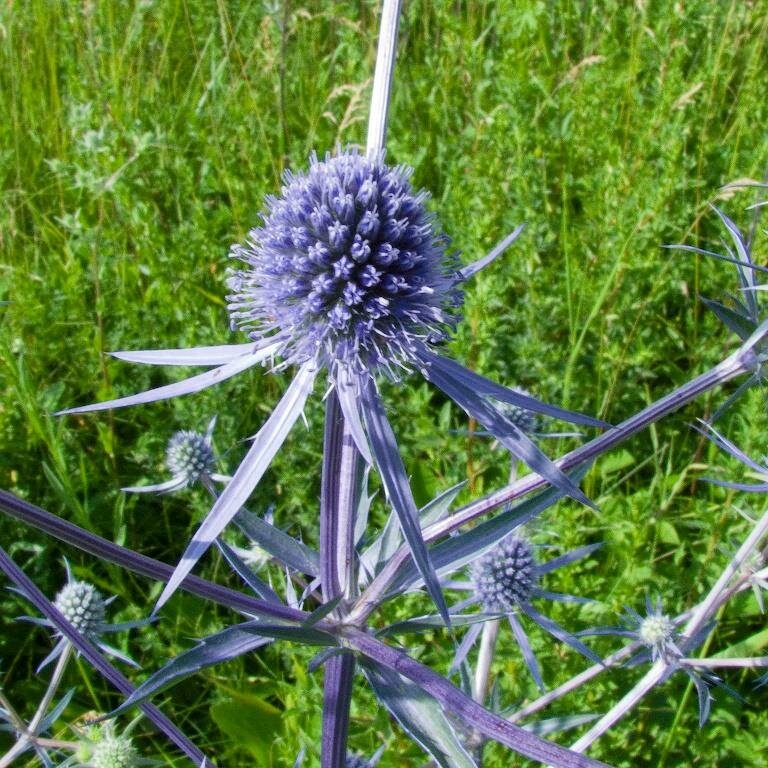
[[137, 141]]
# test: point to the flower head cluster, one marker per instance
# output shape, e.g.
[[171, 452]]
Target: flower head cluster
[[190, 459], [505, 577], [82, 606], [655, 630], [347, 268], [505, 580], [101, 746], [190, 456], [114, 752]]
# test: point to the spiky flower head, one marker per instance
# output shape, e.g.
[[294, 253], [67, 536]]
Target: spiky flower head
[[656, 630], [525, 420], [505, 577], [101, 746], [348, 268], [114, 752], [82, 606], [189, 456]]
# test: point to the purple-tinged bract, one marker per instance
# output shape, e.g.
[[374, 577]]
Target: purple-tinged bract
[[348, 269]]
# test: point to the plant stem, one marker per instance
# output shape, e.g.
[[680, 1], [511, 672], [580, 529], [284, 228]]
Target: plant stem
[[462, 706], [736, 364], [661, 668], [339, 496], [484, 659], [53, 686], [138, 563], [382, 78]]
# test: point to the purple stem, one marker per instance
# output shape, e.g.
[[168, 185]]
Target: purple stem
[[735, 365], [463, 706], [339, 497], [88, 650], [133, 561]]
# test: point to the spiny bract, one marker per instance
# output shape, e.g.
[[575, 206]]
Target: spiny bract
[[347, 269]]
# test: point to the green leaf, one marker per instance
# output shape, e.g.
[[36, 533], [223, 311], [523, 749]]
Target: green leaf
[[668, 533], [250, 722]]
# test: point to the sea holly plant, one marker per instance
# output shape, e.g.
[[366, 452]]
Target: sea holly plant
[[349, 281]]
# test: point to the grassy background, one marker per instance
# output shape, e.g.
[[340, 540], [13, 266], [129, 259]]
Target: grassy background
[[137, 141]]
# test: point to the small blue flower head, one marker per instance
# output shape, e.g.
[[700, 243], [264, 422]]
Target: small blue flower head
[[656, 630], [190, 459], [348, 268], [189, 456], [82, 606], [506, 576]]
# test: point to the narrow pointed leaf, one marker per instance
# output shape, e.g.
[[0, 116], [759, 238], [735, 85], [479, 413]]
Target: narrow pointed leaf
[[419, 715], [746, 275], [726, 445], [525, 648], [469, 639], [392, 471], [174, 484], [452, 370], [471, 269], [457, 551], [569, 557], [510, 436], [718, 256], [427, 623], [559, 724], [322, 611], [732, 320], [214, 649], [215, 355], [389, 540], [557, 631], [184, 387], [265, 445], [279, 544], [240, 567]]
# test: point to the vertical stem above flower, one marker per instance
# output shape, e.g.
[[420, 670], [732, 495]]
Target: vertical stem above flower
[[382, 79], [341, 481]]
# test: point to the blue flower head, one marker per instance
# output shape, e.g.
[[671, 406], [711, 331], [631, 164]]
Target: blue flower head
[[505, 577], [190, 456], [348, 273], [347, 269]]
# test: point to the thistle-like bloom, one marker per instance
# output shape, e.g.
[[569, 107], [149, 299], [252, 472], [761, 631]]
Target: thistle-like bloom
[[348, 273], [190, 460], [656, 631], [101, 746], [84, 607], [505, 580], [347, 269], [661, 640]]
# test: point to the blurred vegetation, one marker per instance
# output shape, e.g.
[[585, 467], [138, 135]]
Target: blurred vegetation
[[137, 141]]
